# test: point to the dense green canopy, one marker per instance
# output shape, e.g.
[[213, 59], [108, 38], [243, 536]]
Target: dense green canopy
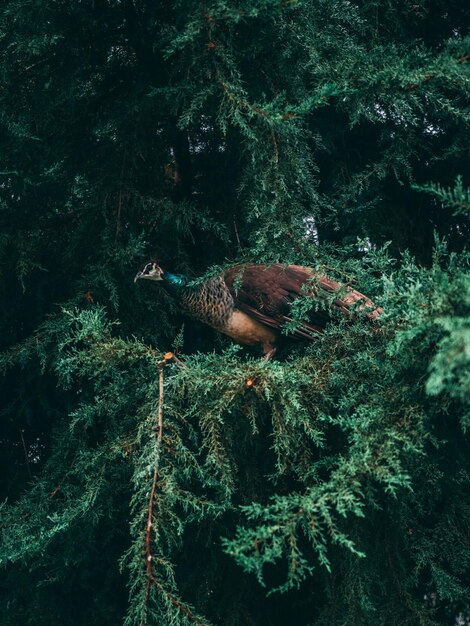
[[328, 486]]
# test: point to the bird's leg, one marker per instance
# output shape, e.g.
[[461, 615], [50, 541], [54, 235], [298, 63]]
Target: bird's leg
[[270, 353]]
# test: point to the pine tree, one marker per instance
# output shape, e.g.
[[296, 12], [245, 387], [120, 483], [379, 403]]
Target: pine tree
[[327, 486]]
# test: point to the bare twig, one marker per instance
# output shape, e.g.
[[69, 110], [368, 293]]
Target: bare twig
[[170, 357], [37, 63], [25, 454], [275, 146], [118, 217], [148, 537], [236, 233], [161, 367], [159, 428]]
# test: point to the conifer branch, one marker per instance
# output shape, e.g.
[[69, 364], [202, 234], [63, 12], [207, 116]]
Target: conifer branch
[[175, 602], [149, 557], [159, 427], [430, 75]]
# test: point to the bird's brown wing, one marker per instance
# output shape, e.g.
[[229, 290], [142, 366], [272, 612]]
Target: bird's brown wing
[[266, 293]]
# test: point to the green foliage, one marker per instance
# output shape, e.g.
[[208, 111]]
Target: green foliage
[[456, 197], [328, 486]]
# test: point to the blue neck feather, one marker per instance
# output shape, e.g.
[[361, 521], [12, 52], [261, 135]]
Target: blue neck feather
[[176, 282]]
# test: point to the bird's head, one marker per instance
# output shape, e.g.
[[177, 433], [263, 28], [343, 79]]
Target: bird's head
[[151, 271]]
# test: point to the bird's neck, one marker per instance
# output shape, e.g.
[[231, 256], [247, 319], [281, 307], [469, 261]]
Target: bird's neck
[[176, 283]]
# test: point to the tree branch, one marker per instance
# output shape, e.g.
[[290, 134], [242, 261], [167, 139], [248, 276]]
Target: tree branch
[[169, 357]]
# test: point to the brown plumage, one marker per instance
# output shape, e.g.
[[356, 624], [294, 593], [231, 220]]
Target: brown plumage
[[251, 303]]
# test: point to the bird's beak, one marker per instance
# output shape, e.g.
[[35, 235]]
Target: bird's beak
[[137, 276]]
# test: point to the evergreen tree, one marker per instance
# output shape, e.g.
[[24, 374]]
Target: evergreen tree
[[328, 486]]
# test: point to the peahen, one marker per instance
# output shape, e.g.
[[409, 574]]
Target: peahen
[[251, 303]]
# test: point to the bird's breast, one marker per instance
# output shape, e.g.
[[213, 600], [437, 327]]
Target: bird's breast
[[213, 304], [248, 331]]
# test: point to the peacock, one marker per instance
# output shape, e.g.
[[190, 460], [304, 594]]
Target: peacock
[[252, 302]]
